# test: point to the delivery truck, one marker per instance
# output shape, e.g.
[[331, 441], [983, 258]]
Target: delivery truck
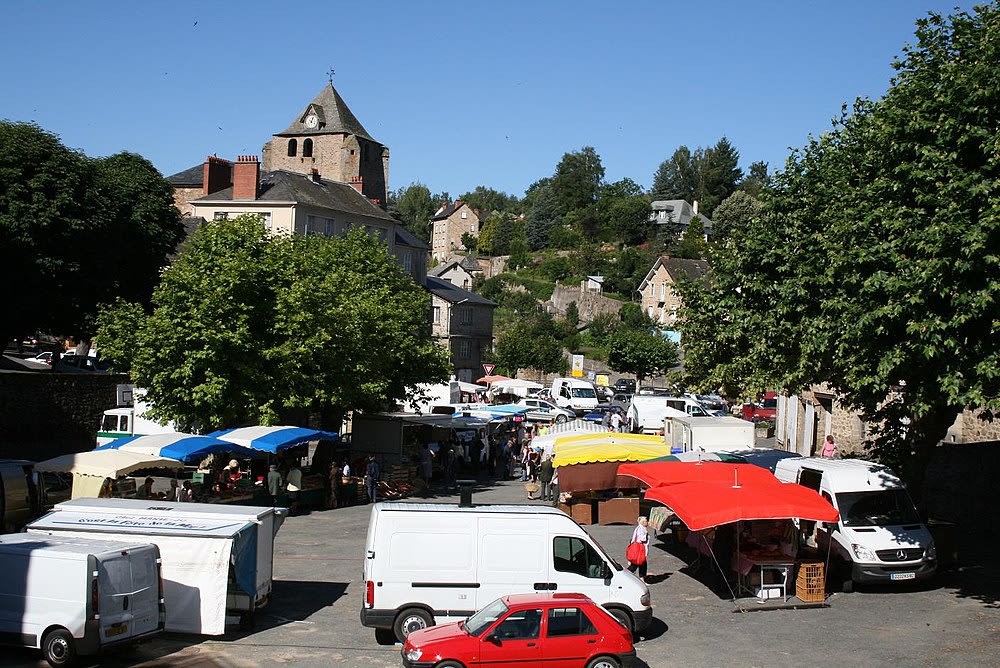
[[708, 434], [70, 596]]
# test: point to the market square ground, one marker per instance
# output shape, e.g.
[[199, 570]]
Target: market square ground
[[313, 616]]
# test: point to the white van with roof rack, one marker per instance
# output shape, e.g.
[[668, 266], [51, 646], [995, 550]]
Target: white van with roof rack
[[427, 563], [879, 537]]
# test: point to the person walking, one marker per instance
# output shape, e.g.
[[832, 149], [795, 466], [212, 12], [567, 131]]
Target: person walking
[[829, 447], [293, 485], [426, 464], [616, 421], [273, 483], [638, 548], [545, 471], [372, 474], [184, 493], [335, 481]]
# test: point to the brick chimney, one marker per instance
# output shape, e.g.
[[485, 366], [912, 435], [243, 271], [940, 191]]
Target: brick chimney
[[216, 175], [357, 182], [246, 177]]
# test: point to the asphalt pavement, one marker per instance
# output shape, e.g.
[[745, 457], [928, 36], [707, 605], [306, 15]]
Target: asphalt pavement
[[313, 620]]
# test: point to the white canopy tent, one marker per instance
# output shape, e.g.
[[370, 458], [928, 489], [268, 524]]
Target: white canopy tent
[[90, 468], [573, 428], [514, 386]]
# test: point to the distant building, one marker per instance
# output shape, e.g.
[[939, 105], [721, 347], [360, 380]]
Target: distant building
[[593, 284], [448, 225], [462, 321], [659, 300], [460, 271], [295, 203], [674, 215]]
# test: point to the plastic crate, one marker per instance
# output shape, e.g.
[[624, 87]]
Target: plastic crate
[[810, 584]]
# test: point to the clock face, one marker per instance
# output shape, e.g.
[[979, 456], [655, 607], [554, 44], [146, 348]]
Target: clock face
[[312, 121]]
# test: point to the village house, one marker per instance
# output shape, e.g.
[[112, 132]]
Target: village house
[[659, 298], [673, 216], [459, 271], [462, 321], [448, 225]]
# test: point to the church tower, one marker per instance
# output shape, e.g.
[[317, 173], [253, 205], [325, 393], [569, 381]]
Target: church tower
[[328, 138]]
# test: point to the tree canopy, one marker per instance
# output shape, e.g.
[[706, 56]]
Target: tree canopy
[[707, 175], [414, 205], [641, 353], [487, 199], [577, 179], [529, 344], [874, 266], [77, 231], [245, 326]]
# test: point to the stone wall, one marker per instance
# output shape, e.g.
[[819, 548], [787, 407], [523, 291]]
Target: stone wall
[[45, 414], [493, 266], [183, 197], [589, 304]]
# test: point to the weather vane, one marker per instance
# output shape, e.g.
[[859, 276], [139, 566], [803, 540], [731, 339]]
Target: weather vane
[[330, 74]]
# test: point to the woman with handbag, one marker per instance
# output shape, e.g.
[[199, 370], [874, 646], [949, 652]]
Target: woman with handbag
[[638, 549]]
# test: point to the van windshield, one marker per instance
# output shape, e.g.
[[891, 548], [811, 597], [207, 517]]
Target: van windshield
[[885, 507], [478, 622], [583, 393]]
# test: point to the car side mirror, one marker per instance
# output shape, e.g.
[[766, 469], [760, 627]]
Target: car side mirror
[[494, 639], [606, 572]]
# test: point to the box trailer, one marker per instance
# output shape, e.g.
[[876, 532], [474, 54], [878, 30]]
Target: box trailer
[[198, 542], [708, 434]]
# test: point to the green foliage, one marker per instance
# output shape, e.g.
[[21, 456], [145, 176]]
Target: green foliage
[[632, 317], [414, 206], [577, 179], [707, 175], [755, 181], [529, 344], [555, 267], [565, 237], [542, 218], [76, 232], [572, 314], [874, 266], [732, 217], [245, 325], [519, 256], [503, 233], [641, 353], [487, 228], [603, 325], [470, 242], [623, 212], [487, 199], [692, 244]]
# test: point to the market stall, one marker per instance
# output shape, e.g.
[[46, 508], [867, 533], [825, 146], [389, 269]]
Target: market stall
[[99, 472], [188, 448]]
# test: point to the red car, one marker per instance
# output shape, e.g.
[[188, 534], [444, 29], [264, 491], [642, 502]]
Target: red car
[[556, 630], [767, 409]]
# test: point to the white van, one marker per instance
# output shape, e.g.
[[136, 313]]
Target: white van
[[432, 563], [879, 537], [577, 395], [709, 434], [648, 412], [74, 596], [130, 421]]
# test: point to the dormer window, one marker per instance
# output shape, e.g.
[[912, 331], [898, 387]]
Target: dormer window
[[293, 147], [307, 148]]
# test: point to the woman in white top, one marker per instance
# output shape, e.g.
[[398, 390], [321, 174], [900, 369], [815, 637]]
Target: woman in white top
[[641, 536]]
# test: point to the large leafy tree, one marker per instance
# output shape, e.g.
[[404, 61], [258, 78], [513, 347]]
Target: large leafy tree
[[707, 175], [577, 179], [733, 215], [641, 352], [245, 326], [529, 344], [544, 215], [76, 231], [414, 205], [874, 267], [487, 199], [623, 211]]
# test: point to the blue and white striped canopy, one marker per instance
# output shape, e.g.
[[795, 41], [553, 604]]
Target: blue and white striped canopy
[[272, 439], [180, 446]]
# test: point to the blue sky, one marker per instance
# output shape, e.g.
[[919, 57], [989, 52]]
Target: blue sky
[[463, 93]]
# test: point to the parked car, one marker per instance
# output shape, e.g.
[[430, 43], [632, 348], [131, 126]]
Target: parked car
[[622, 399], [45, 358], [597, 414], [540, 410], [74, 362], [526, 630], [624, 385], [37, 343], [650, 391], [765, 409], [544, 393]]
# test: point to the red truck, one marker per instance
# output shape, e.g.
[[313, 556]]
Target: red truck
[[765, 409]]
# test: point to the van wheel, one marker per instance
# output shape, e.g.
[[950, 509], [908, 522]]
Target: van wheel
[[410, 620], [623, 618], [604, 662], [58, 648], [560, 419]]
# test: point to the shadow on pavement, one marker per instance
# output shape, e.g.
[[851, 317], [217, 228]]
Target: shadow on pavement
[[291, 601], [656, 628]]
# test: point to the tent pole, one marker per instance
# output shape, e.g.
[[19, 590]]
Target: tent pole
[[711, 550]]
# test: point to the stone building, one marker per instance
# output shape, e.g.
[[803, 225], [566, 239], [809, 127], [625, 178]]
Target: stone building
[[295, 203], [328, 138], [672, 217], [462, 321], [658, 297], [448, 225], [459, 271]]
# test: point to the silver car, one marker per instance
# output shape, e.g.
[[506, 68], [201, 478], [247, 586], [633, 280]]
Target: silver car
[[540, 410]]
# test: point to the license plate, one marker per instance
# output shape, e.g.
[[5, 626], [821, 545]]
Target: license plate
[[902, 576], [116, 630]]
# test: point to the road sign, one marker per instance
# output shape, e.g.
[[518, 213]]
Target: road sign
[[578, 366], [488, 369]]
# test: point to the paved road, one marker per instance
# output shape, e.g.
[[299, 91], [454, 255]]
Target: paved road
[[313, 617]]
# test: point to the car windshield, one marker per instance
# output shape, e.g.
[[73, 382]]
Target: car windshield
[[887, 507], [478, 622], [770, 403], [583, 393]]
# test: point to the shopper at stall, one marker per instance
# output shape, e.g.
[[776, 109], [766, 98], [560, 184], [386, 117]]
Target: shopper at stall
[[616, 421], [545, 471], [372, 474], [146, 490], [293, 486], [523, 459], [335, 482], [638, 549], [185, 494], [273, 483], [426, 464]]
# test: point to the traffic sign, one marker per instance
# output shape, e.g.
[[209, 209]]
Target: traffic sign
[[488, 369]]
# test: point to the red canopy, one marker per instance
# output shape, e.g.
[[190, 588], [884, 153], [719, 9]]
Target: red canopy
[[491, 379], [702, 504], [656, 474]]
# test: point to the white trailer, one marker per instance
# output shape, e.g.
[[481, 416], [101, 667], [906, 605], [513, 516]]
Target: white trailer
[[197, 541], [708, 434]]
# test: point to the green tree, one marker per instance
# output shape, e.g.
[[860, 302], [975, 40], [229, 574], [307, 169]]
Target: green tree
[[573, 314], [732, 217], [623, 212], [543, 216], [414, 206], [527, 345], [246, 325], [677, 177], [755, 181], [76, 231], [692, 244], [470, 242], [633, 318], [874, 267], [503, 232], [487, 199], [707, 175], [641, 353], [577, 179]]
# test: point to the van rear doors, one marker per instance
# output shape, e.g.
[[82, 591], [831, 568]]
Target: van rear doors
[[129, 593], [513, 557]]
